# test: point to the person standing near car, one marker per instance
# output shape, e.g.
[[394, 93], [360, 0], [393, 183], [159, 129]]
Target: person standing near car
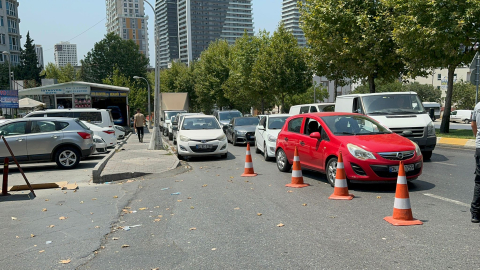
[[138, 124], [475, 207]]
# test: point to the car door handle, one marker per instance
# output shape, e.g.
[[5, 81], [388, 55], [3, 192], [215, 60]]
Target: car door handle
[[54, 136], [19, 139], [302, 143], [286, 139]]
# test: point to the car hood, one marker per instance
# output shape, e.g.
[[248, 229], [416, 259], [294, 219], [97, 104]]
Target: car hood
[[273, 132], [246, 128], [202, 134], [403, 121], [379, 143]]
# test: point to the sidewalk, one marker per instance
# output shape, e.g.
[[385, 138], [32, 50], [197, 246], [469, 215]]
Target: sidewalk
[[463, 143], [133, 159]]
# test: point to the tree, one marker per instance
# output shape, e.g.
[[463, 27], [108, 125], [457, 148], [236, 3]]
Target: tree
[[382, 86], [426, 92], [211, 72], [62, 74], [137, 97], [28, 68], [4, 82], [180, 78], [433, 34], [351, 38], [111, 52], [463, 96], [282, 69]]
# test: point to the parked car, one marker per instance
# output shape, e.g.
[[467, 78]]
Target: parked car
[[461, 116], [119, 132], [241, 130], [311, 108], [107, 134], [100, 117], [178, 119], [266, 134], [100, 145], [370, 151], [224, 117], [201, 135], [64, 141], [166, 121], [117, 115], [436, 109]]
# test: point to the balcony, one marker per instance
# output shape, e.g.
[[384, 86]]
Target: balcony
[[14, 47], [12, 30]]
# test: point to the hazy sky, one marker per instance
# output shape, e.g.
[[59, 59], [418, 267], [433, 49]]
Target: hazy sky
[[52, 21]]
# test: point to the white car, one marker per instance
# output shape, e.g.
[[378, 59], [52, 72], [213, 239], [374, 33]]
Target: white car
[[201, 135], [119, 132], [107, 134], [100, 145], [266, 134]]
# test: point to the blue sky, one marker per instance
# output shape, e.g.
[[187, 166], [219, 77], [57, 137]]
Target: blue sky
[[62, 20]]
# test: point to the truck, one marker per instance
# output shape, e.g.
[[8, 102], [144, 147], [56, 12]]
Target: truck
[[401, 112], [172, 104]]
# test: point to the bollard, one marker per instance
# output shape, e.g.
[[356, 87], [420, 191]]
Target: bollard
[[5, 178]]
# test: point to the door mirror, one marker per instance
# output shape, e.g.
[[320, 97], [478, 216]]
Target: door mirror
[[315, 135], [261, 128]]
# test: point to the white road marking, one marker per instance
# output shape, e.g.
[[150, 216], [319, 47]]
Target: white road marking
[[444, 163], [447, 199]]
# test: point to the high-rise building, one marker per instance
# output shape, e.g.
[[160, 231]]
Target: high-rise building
[[9, 31], [201, 22], [167, 29], [291, 20], [39, 52], [65, 53], [127, 19]]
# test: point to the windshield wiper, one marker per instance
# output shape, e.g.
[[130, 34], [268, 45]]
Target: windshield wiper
[[348, 133], [378, 112]]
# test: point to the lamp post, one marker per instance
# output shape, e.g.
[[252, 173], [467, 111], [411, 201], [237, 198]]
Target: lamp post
[[156, 141], [149, 113]]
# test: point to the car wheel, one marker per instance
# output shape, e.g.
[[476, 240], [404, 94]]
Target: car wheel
[[427, 155], [224, 156], [67, 157], [257, 150], [282, 161], [174, 141], [265, 154], [331, 171], [178, 155]]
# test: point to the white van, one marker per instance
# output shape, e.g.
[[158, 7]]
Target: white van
[[99, 117], [310, 108], [401, 112], [436, 109], [461, 116]]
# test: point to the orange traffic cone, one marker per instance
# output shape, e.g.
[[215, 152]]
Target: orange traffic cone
[[248, 172], [297, 177], [340, 191], [402, 211]]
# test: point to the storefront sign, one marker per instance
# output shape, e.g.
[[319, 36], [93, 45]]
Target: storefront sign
[[108, 94], [8, 99], [58, 90]]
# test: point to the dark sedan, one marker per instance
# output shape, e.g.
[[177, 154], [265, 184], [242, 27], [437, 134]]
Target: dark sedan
[[241, 130]]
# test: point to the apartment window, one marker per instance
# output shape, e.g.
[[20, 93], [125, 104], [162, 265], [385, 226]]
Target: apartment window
[[1, 55], [125, 4], [439, 77], [125, 10], [1, 17], [136, 10], [2, 39], [136, 5]]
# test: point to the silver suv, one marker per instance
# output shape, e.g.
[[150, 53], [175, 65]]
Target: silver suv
[[45, 139]]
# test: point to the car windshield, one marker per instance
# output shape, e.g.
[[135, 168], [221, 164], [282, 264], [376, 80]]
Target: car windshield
[[276, 122], [353, 125], [227, 116], [200, 123], [250, 121], [170, 114], [393, 104]]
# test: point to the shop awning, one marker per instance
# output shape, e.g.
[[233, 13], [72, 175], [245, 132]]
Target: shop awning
[[28, 103]]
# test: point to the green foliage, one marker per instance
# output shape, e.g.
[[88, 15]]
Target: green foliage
[[351, 38], [137, 97], [110, 53], [4, 83], [62, 74], [434, 34], [426, 92], [314, 94], [28, 69], [381, 86], [180, 78], [464, 95]]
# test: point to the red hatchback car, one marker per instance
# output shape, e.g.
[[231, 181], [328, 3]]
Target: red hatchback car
[[370, 151]]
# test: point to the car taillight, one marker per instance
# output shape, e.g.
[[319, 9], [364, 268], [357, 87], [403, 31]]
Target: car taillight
[[109, 131], [84, 135]]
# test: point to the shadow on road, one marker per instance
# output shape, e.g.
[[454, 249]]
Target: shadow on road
[[213, 158], [88, 163], [437, 157], [17, 197]]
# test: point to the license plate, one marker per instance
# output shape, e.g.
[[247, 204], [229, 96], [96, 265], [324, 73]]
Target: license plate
[[408, 168], [204, 146]]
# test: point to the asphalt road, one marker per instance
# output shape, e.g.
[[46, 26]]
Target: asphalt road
[[220, 220], [453, 125]]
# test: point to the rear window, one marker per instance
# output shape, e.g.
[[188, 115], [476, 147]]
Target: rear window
[[81, 124], [61, 125], [91, 117]]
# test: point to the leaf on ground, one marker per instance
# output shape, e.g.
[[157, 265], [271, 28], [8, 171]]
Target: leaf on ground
[[379, 197], [126, 211], [289, 191], [64, 192], [65, 261], [62, 218], [51, 226], [143, 208], [115, 197], [46, 200], [218, 174], [280, 225], [189, 198], [114, 238], [304, 204], [178, 180], [17, 236], [204, 185], [236, 208], [201, 167], [179, 200], [160, 216], [156, 220], [214, 249], [44, 210], [41, 251], [191, 207], [231, 177], [81, 201], [14, 218], [94, 199], [259, 214], [125, 246], [96, 227], [129, 181], [156, 207], [193, 229], [32, 235]]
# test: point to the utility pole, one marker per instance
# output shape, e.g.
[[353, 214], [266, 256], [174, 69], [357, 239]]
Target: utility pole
[[477, 77]]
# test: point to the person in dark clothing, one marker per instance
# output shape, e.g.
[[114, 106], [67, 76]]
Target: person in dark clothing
[[138, 124], [475, 207]]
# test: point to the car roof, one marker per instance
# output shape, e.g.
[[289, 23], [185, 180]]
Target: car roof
[[228, 111], [322, 114], [198, 116], [279, 115], [315, 104], [72, 109], [378, 94]]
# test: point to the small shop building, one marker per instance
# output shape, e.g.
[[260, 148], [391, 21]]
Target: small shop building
[[73, 95]]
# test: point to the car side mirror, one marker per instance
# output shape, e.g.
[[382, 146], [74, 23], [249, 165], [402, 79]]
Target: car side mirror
[[261, 128], [315, 135]]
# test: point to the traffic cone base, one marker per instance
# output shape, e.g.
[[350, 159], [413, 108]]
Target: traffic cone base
[[297, 177], [401, 222], [340, 191], [341, 197], [248, 175], [248, 172]]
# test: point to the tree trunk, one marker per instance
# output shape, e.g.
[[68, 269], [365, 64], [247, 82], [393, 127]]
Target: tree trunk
[[445, 126], [371, 83], [335, 85]]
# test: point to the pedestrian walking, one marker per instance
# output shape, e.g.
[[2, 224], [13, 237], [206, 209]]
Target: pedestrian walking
[[475, 207], [138, 124]]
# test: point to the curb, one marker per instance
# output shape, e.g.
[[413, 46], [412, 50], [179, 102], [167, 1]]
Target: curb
[[97, 170], [456, 143]]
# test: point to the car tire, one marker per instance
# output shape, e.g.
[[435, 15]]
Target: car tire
[[265, 154], [427, 155], [224, 156], [180, 157], [174, 142], [331, 170], [282, 161], [67, 157], [257, 151]]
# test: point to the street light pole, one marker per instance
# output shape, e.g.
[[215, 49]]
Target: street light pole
[[156, 140], [149, 112]]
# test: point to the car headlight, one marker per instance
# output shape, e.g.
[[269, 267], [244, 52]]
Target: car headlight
[[417, 149], [184, 138], [240, 132], [222, 137], [359, 152], [95, 140], [271, 138], [430, 129]]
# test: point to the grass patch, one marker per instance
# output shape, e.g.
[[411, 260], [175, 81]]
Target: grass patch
[[457, 133]]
